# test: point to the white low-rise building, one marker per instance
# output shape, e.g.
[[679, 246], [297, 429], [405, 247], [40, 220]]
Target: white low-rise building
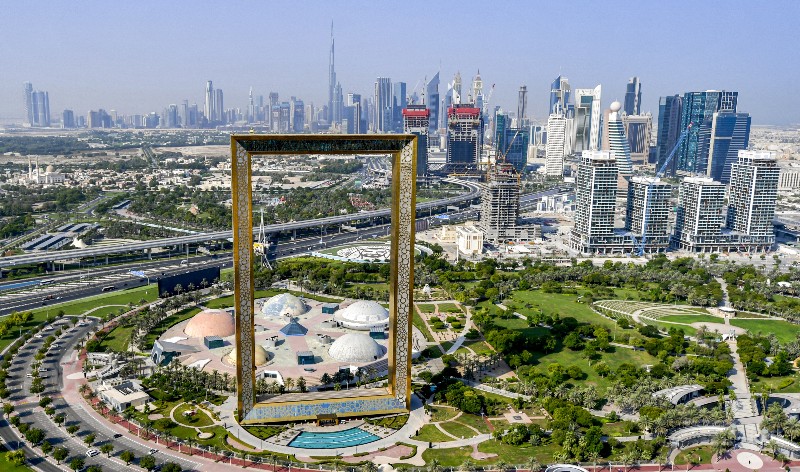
[[123, 395], [469, 240]]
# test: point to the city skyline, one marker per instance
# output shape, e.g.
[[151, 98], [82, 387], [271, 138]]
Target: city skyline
[[132, 71]]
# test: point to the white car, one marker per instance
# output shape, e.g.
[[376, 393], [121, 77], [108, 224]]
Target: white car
[[37, 336], [92, 452]]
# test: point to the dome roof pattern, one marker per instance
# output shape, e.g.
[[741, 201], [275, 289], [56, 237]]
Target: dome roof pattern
[[356, 347], [211, 323], [284, 304], [363, 315], [260, 358]]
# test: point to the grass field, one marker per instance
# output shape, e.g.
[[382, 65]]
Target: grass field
[[419, 323], [431, 433], [783, 330], [198, 420], [688, 319], [698, 455], [442, 413], [688, 330], [168, 322], [426, 307], [7, 466], [449, 308], [458, 430], [777, 384], [475, 421]]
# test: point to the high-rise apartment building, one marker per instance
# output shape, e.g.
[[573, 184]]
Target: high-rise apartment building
[[730, 133], [41, 109], [670, 109], [382, 122], [699, 218], [595, 200], [511, 143], [751, 206], [500, 204], [648, 204], [68, 119], [555, 150], [416, 120], [638, 129], [522, 107], [28, 88], [464, 135], [560, 95], [616, 141], [219, 107], [633, 97], [698, 110], [587, 120]]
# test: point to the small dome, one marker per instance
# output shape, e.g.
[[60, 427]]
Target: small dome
[[363, 315], [211, 323], [356, 347], [284, 304], [261, 355], [50, 169], [616, 106]]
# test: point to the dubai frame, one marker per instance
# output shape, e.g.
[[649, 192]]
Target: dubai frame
[[396, 397]]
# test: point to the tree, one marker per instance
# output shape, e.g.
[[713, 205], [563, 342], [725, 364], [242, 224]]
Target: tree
[[127, 456], [89, 439], [60, 454], [107, 449], [76, 463], [16, 457], [47, 448], [533, 464], [8, 408], [147, 462], [171, 467], [72, 429], [94, 468]]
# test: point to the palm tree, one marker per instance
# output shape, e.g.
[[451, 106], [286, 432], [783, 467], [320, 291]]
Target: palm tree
[[467, 466], [533, 464], [592, 456], [434, 466]]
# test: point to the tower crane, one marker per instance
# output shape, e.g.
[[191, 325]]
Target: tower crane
[[648, 192]]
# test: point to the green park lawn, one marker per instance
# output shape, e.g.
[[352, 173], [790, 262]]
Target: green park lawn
[[688, 319], [419, 323], [700, 455], [167, 323], [426, 307], [451, 457], [198, 420], [480, 348], [7, 466], [783, 330], [476, 421], [518, 454], [620, 428], [449, 308], [784, 384], [458, 430], [442, 413], [688, 330], [431, 433]]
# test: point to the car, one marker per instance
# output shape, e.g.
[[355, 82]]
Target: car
[[37, 335], [92, 452], [28, 375], [117, 435], [43, 369], [152, 451]]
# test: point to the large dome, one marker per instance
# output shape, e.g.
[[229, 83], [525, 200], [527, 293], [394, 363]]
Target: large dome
[[363, 315], [211, 323], [284, 304], [356, 347], [261, 355]]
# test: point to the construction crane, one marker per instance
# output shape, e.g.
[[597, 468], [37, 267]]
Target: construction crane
[[646, 209]]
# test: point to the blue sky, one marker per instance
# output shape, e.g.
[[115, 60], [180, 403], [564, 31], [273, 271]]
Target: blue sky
[[137, 57]]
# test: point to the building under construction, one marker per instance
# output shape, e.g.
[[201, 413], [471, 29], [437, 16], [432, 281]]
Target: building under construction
[[416, 120], [500, 205], [464, 137]]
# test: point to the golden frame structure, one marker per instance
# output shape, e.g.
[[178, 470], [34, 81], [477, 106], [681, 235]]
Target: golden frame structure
[[396, 397]]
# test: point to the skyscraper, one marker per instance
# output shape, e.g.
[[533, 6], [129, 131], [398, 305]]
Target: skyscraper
[[587, 120], [638, 129], [28, 87], [416, 120], [522, 107], [649, 201], [670, 109], [477, 91], [698, 110], [464, 134], [617, 141], [185, 118], [595, 200], [500, 203], [432, 101], [730, 133], [753, 192], [560, 95], [511, 142], [219, 107], [382, 122], [556, 144], [331, 79], [68, 119], [698, 220], [208, 111], [41, 109], [633, 97], [399, 103]]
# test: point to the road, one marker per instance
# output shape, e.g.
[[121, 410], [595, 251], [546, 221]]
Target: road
[[30, 412], [33, 258]]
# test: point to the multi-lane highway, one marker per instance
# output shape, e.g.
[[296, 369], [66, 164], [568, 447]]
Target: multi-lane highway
[[33, 258]]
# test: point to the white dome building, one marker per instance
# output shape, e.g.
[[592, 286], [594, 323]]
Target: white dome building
[[261, 356], [363, 315], [284, 304], [356, 347], [211, 323]]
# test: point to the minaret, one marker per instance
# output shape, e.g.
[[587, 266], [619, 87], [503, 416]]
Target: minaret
[[30, 169]]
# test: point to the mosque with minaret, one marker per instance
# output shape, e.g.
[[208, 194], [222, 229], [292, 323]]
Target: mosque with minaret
[[49, 177]]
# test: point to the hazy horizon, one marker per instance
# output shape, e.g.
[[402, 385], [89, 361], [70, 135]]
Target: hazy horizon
[[140, 57]]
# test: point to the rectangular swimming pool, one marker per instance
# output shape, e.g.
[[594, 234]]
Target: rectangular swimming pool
[[346, 438]]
